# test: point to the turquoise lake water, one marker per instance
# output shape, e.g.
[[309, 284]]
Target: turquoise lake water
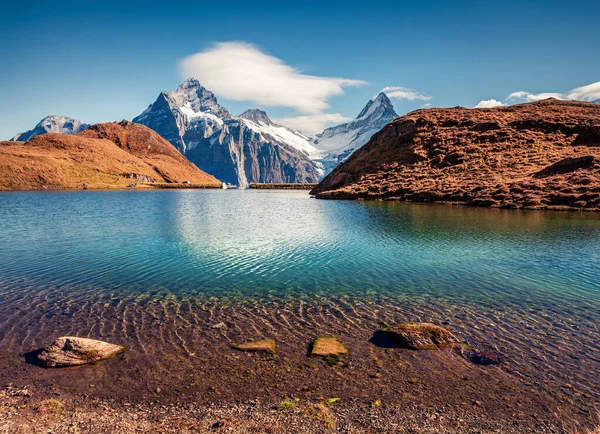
[[525, 282]]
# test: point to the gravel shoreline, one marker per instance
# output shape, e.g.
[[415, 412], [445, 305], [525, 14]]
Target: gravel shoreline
[[30, 410]]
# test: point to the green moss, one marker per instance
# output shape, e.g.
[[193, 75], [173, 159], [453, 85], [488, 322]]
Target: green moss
[[90, 355], [332, 360], [50, 405], [286, 404]]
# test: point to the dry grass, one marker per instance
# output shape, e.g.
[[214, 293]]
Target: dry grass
[[538, 155], [62, 161]]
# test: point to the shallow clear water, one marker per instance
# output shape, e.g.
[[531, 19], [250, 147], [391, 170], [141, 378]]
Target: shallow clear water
[[526, 283]]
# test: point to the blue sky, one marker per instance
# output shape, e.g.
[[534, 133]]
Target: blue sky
[[104, 61]]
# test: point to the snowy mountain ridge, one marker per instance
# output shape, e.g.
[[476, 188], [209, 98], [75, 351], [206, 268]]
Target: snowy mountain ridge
[[238, 150], [337, 143], [52, 124]]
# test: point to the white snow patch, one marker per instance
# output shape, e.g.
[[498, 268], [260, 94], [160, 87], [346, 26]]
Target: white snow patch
[[284, 135], [188, 111]]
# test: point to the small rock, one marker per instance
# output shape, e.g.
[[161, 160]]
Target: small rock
[[262, 346], [73, 351], [326, 346], [158, 390], [220, 325], [486, 358], [420, 336]]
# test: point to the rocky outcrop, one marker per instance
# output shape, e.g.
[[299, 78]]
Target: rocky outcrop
[[52, 124], [73, 351], [237, 150], [262, 346], [420, 336], [538, 155], [103, 156]]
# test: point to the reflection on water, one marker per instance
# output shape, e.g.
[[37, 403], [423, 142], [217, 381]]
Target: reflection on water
[[134, 264]]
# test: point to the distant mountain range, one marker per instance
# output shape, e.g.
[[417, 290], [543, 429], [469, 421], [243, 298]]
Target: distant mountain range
[[337, 143], [246, 148], [236, 149], [52, 124]]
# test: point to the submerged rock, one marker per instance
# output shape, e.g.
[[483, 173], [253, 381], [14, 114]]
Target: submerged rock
[[486, 358], [73, 351], [262, 346], [420, 336], [328, 346]]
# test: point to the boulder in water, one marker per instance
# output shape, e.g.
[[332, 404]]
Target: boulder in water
[[73, 351], [328, 346], [420, 336]]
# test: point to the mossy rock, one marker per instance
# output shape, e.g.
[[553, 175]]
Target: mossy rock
[[420, 336], [262, 346], [328, 347]]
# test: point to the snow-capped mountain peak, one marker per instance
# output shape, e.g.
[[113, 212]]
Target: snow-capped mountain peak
[[52, 124], [257, 115], [239, 150], [337, 143], [379, 106], [257, 120], [193, 98]]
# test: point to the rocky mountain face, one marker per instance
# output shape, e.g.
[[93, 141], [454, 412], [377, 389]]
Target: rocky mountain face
[[337, 143], [103, 156], [52, 124], [237, 150], [544, 154]]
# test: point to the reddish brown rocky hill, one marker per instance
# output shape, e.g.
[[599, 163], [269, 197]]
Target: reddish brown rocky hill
[[538, 155], [106, 155]]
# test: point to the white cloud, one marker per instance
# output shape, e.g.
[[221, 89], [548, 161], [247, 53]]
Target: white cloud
[[240, 71], [522, 96], [591, 92], [404, 93], [312, 124], [489, 103]]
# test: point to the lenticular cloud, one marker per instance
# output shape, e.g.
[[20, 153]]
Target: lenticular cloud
[[241, 71]]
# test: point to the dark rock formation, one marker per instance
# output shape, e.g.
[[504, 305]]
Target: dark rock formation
[[420, 336]]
